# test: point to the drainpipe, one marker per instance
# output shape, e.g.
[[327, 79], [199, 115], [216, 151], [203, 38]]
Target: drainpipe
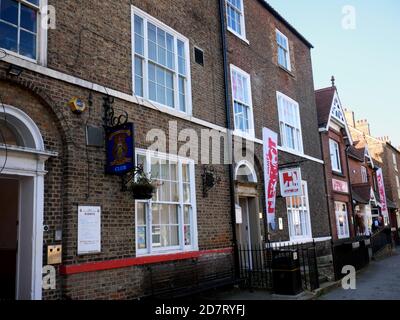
[[229, 137]]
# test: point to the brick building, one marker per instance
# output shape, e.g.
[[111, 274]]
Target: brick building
[[142, 54], [271, 86], [383, 156], [179, 73], [387, 157], [336, 141], [364, 189]]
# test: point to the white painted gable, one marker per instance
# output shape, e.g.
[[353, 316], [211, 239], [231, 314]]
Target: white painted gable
[[337, 117]]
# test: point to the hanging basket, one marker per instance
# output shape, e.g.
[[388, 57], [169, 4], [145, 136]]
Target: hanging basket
[[140, 185], [142, 190]]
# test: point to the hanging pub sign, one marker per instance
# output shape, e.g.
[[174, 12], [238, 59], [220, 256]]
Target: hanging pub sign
[[270, 155], [120, 146], [290, 182]]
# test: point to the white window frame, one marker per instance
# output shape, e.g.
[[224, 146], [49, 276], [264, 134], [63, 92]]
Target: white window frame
[[41, 34], [288, 62], [398, 186], [346, 233], [307, 223], [237, 131], [283, 139], [242, 35], [334, 150], [395, 162], [364, 174], [177, 36], [193, 218]]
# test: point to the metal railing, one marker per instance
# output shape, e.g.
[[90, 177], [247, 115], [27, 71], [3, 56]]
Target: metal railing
[[380, 240], [256, 264]]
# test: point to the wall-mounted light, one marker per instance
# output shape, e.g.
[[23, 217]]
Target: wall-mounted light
[[14, 70]]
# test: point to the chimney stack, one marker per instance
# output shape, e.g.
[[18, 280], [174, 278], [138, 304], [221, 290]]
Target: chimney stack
[[351, 120], [363, 126], [385, 139]]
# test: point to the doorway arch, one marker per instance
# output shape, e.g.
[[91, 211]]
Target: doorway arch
[[23, 156]]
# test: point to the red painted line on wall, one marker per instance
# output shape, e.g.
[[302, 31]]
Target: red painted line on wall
[[128, 262]]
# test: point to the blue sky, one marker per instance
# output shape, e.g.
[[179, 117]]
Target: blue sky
[[365, 61]]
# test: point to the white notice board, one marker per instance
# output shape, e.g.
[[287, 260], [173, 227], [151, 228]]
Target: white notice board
[[89, 229]]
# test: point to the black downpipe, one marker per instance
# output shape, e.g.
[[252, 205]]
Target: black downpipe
[[229, 137]]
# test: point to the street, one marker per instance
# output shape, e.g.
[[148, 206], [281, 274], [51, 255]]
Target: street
[[380, 281]]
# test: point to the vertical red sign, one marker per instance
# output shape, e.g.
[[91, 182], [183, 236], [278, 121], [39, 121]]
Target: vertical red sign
[[270, 155]]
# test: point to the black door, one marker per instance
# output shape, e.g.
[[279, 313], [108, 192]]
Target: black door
[[8, 236]]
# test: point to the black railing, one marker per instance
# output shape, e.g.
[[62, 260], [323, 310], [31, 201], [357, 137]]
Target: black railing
[[380, 240], [257, 264]]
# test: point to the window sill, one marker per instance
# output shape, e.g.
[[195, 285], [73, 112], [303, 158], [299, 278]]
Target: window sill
[[244, 39], [168, 254], [249, 136], [161, 107], [292, 151], [338, 174], [289, 72], [19, 56]]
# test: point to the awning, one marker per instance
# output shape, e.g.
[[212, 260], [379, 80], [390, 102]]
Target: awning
[[361, 194]]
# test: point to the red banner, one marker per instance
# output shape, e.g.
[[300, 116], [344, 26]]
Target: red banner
[[270, 146], [382, 194]]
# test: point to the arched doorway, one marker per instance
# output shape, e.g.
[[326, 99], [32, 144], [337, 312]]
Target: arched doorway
[[247, 199], [22, 171]]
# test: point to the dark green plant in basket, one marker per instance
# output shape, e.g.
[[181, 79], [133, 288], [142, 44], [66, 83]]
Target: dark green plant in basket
[[140, 185]]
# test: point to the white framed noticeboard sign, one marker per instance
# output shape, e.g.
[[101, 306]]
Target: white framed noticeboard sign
[[89, 229]]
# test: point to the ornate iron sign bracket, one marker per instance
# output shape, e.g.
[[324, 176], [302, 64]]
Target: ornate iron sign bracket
[[210, 179], [109, 118]]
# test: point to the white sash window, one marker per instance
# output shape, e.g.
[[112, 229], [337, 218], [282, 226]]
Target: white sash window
[[167, 222]]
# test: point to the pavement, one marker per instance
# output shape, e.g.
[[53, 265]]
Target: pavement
[[379, 281], [246, 294]]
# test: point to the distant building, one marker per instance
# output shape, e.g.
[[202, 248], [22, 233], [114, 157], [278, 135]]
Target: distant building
[[384, 156]]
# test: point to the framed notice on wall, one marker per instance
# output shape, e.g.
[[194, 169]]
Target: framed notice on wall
[[89, 229]]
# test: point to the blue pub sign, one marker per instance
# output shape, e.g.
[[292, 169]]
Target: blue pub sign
[[120, 144]]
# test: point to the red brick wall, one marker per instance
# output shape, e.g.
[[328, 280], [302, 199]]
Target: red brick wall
[[259, 59], [333, 195], [104, 56]]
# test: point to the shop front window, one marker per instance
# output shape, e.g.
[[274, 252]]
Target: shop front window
[[342, 222]]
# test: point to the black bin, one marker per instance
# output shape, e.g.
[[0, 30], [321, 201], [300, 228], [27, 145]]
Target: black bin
[[286, 276]]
